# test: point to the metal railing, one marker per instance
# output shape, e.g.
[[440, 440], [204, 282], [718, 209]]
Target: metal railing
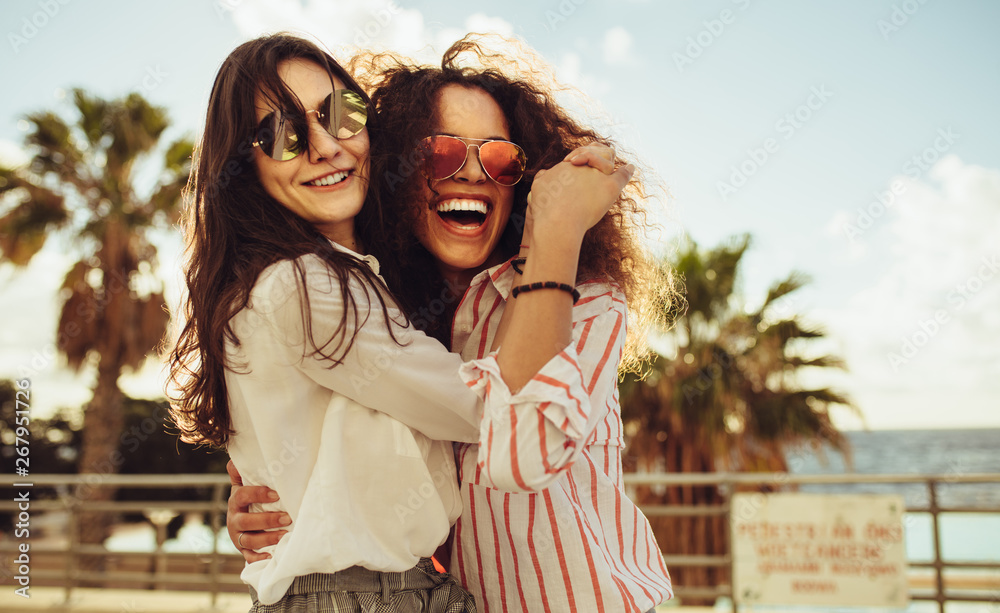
[[217, 571], [57, 493]]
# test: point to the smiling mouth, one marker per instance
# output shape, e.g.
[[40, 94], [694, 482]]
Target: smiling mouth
[[463, 213], [330, 179]]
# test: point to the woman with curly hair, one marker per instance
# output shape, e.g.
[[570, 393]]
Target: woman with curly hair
[[555, 530], [294, 356]]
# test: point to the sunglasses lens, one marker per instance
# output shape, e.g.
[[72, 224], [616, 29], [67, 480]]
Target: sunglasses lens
[[344, 113], [442, 155], [504, 162], [277, 137], [352, 112]]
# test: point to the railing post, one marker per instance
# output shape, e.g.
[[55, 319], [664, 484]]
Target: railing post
[[727, 499], [936, 530], [160, 518], [72, 546], [218, 507]]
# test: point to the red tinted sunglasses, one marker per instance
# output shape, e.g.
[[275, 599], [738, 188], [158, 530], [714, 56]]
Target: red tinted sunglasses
[[443, 156]]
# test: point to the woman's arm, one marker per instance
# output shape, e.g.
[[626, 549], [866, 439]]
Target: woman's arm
[[565, 202], [528, 438], [596, 156], [395, 370]]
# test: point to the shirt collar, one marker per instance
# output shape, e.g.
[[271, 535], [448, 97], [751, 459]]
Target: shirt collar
[[370, 260], [501, 276]]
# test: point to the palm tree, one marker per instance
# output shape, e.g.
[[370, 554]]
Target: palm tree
[[728, 400], [81, 186]]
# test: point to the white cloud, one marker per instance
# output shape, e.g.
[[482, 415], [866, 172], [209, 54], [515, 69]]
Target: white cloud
[[441, 37], [483, 23], [857, 250], [337, 25], [569, 70], [927, 329], [345, 27], [11, 154], [617, 46]]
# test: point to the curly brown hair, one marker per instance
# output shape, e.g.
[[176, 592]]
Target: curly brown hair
[[405, 96], [233, 230]]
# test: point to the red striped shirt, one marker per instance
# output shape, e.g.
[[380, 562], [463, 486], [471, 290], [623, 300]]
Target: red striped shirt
[[561, 535]]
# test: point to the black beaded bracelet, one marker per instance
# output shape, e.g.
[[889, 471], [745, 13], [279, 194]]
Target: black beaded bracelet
[[520, 289], [517, 263]]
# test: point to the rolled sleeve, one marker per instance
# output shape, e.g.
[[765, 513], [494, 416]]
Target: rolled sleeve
[[527, 439]]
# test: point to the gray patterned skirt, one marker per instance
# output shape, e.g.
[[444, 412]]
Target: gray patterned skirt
[[421, 589]]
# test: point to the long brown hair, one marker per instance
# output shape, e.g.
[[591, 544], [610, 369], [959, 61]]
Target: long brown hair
[[234, 230], [405, 96]]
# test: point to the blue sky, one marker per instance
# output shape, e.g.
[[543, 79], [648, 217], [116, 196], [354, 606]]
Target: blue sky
[[855, 140]]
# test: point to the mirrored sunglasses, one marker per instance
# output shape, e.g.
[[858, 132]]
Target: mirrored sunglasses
[[282, 136], [443, 156]]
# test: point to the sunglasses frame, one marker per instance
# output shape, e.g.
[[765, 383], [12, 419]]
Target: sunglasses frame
[[521, 156], [300, 128]]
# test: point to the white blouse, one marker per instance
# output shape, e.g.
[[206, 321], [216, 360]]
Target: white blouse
[[358, 453]]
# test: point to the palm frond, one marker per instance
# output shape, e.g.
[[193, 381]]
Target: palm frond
[[787, 329], [24, 228], [57, 152], [177, 159], [135, 129], [792, 283], [826, 361], [149, 318], [49, 131], [80, 322], [94, 120]]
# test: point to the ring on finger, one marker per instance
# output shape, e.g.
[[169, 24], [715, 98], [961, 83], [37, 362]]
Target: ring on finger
[[239, 541]]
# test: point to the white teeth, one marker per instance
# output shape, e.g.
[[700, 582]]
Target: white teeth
[[458, 204], [330, 179]]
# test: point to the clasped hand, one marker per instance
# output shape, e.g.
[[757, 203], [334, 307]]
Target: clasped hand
[[577, 192]]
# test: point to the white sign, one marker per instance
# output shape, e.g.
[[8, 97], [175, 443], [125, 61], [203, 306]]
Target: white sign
[[819, 549]]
